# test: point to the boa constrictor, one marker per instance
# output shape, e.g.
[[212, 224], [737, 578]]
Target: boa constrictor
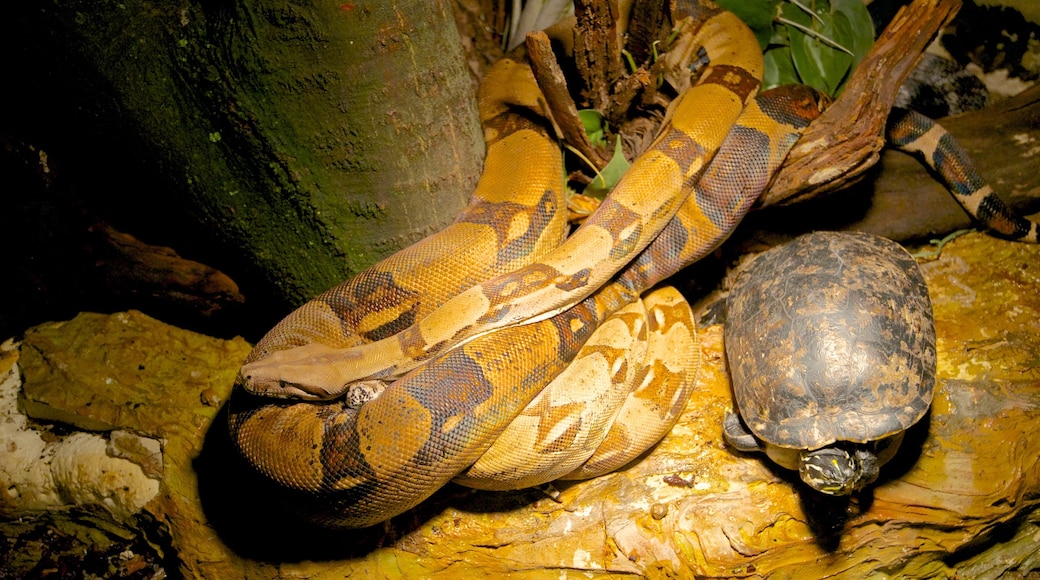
[[922, 137], [362, 465], [523, 455], [357, 462], [648, 195]]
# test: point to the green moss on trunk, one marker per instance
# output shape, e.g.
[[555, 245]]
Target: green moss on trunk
[[308, 139]]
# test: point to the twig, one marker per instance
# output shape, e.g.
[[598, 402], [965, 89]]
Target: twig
[[554, 86]]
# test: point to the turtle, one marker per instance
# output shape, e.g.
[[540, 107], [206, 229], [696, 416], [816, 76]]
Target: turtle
[[830, 341]]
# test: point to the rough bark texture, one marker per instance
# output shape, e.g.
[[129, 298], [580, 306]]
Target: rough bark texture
[[554, 86], [848, 137], [901, 200], [597, 53], [304, 140], [1002, 141]]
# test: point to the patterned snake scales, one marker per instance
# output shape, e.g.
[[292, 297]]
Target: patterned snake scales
[[502, 354]]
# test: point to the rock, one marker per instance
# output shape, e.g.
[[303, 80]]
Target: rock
[[24, 471], [126, 371], [146, 386], [960, 499], [85, 474]]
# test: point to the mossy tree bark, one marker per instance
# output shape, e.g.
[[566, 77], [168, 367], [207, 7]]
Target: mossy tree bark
[[293, 141]]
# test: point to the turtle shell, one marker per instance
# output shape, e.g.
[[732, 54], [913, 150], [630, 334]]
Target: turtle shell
[[831, 338]]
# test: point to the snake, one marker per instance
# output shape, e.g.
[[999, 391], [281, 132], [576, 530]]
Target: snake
[[920, 136], [511, 219], [363, 402], [635, 211], [348, 460], [761, 138]]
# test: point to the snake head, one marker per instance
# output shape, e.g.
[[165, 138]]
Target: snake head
[[310, 372]]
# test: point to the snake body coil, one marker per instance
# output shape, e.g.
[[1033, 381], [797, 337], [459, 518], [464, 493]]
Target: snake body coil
[[445, 350]]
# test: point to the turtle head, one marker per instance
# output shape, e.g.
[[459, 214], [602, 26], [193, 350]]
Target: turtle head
[[838, 470]]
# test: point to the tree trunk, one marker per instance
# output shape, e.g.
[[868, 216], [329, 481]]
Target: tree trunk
[[289, 143]]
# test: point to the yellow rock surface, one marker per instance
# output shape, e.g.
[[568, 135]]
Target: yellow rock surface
[[959, 499], [130, 372]]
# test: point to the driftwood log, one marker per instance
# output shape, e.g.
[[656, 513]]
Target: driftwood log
[[846, 141], [840, 151], [837, 150], [901, 200]]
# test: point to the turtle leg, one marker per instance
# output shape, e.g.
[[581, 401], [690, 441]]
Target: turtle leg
[[737, 435]]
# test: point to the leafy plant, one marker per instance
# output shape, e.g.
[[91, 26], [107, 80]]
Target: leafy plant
[[596, 129], [813, 42]]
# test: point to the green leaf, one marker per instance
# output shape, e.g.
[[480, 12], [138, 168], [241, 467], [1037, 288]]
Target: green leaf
[[817, 61], [595, 126], [819, 43], [841, 66], [862, 27], [779, 68], [803, 58], [757, 14], [605, 180], [780, 36]]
